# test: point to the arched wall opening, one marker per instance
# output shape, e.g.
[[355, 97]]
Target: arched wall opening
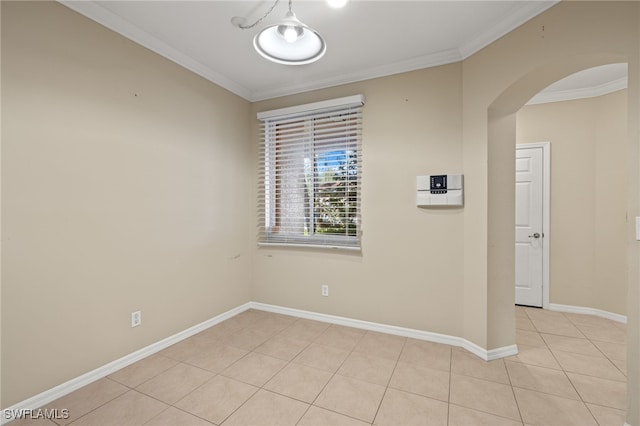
[[580, 122], [497, 81], [501, 134]]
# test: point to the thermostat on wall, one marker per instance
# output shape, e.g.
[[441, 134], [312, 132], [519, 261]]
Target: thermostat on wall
[[439, 190]]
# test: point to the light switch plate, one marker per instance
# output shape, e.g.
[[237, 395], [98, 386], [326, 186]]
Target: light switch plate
[[637, 228]]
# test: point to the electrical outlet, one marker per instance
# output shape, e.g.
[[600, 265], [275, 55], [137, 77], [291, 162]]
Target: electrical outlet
[[136, 318], [325, 290]]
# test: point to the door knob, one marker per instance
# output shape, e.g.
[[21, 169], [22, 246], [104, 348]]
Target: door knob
[[535, 235]]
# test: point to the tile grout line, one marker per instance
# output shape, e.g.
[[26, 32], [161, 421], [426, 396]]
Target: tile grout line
[[571, 381], [335, 373], [389, 380], [513, 392], [309, 405], [219, 374], [565, 372], [233, 363], [312, 403], [449, 393], [261, 387]]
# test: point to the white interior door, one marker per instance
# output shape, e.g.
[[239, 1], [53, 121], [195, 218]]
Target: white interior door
[[529, 226]]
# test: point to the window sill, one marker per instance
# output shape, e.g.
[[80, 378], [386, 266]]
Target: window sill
[[310, 246]]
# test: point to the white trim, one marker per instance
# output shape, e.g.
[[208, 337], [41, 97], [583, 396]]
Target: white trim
[[546, 214], [103, 16], [310, 246], [446, 339], [502, 352], [546, 304], [108, 19], [445, 57], [587, 311], [66, 388], [314, 107], [582, 93], [505, 26]]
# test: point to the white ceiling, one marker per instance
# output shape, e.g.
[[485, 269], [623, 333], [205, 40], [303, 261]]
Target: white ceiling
[[365, 39]]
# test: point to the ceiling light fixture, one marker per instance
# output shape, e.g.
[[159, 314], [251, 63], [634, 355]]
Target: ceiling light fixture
[[288, 42], [337, 3]]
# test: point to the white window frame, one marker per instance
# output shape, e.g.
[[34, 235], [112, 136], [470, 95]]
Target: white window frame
[[304, 142]]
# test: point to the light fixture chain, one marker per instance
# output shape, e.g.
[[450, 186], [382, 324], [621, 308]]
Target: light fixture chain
[[247, 27]]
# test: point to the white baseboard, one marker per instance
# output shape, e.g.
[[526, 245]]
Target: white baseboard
[[66, 388], [486, 355], [587, 311], [502, 352]]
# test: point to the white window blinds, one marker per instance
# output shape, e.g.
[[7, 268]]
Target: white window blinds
[[310, 172]]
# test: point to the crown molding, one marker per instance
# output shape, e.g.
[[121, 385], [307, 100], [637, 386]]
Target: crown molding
[[421, 62], [479, 41], [522, 15], [582, 93], [123, 27]]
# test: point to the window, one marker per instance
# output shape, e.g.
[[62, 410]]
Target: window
[[311, 174]]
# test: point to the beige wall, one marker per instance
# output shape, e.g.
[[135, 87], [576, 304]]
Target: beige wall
[[588, 197], [411, 258], [114, 202], [124, 188], [497, 81], [633, 252]]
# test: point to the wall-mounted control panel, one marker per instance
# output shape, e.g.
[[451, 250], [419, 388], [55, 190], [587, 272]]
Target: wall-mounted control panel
[[439, 190]]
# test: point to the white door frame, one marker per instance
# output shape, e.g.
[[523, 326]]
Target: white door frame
[[546, 201]]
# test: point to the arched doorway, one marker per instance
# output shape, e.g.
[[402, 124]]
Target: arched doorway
[[501, 133], [497, 81], [583, 121]]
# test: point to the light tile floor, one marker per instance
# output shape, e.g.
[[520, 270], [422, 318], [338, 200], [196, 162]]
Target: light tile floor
[[259, 368]]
